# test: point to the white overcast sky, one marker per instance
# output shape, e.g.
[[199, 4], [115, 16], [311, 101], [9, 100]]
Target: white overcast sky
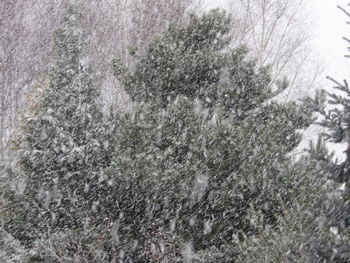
[[329, 26]]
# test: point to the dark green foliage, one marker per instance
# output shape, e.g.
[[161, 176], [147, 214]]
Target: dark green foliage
[[204, 180], [62, 146], [192, 60], [325, 246], [204, 152], [290, 241], [198, 166]]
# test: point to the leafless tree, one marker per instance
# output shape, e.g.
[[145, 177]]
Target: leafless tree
[[277, 33], [26, 42]]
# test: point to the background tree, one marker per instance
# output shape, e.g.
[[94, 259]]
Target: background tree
[[278, 34]]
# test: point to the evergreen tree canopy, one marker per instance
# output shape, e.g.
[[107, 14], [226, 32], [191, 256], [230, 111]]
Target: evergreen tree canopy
[[63, 143], [291, 239], [204, 153], [336, 208], [194, 60], [198, 165]]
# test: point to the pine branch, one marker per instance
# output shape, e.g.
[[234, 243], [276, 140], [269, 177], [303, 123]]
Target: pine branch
[[342, 9], [346, 39], [343, 87], [334, 81]]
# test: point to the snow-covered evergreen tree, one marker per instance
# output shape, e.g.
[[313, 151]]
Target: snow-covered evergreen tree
[[192, 60], [197, 166], [331, 243], [204, 153], [289, 241], [62, 145]]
